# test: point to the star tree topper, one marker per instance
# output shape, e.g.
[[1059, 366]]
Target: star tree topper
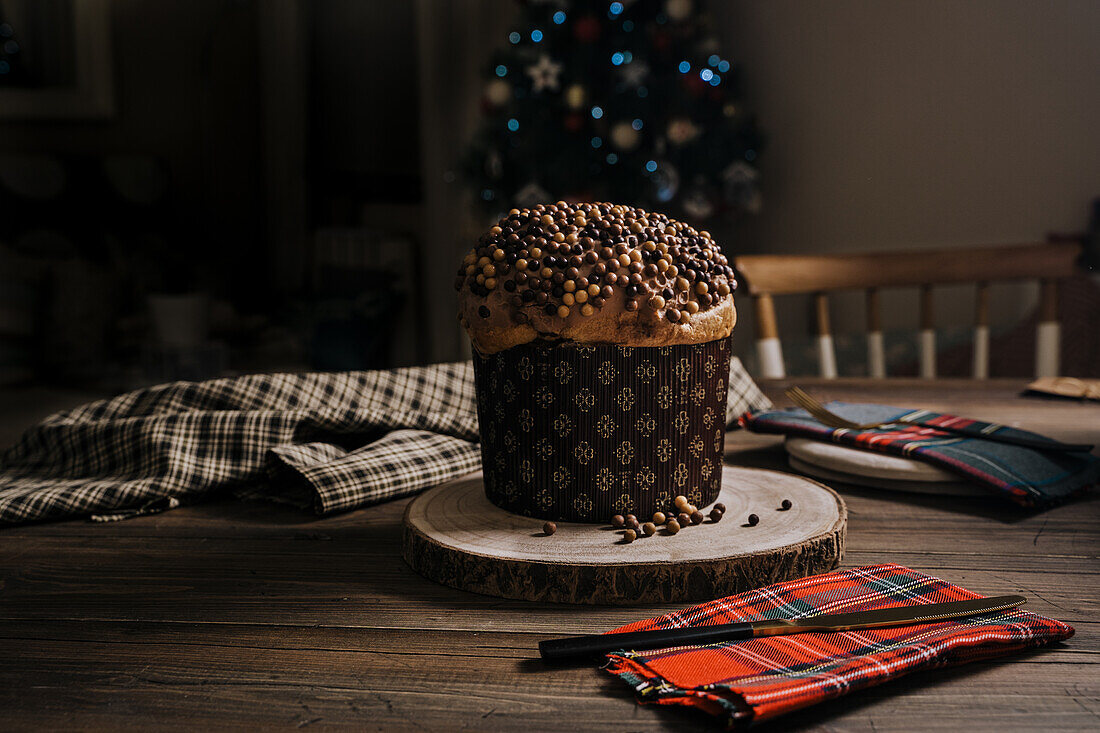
[[544, 75]]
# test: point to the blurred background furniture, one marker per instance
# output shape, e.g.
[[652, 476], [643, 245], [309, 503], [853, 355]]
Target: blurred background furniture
[[818, 275], [247, 129]]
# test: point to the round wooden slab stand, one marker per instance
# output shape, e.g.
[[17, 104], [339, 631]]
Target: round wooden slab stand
[[454, 536]]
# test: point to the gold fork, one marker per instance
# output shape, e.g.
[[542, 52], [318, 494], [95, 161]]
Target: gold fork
[[833, 420]]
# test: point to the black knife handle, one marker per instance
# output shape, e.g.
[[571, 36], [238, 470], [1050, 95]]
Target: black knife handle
[[598, 644]]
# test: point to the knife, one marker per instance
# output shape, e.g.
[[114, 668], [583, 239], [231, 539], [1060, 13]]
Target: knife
[[599, 644], [988, 433]]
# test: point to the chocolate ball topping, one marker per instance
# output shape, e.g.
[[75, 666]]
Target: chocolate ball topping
[[567, 258]]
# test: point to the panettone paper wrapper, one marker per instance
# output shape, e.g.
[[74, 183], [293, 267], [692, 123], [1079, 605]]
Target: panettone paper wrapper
[[581, 432]]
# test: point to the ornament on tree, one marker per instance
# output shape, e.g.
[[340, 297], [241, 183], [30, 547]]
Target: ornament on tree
[[634, 73], [625, 137], [740, 172], [739, 186], [681, 131], [709, 46], [587, 29], [696, 202], [574, 96], [494, 166], [544, 75], [696, 86], [530, 195], [678, 9], [498, 92], [665, 181]]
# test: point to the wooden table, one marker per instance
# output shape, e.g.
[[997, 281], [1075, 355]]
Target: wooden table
[[235, 615]]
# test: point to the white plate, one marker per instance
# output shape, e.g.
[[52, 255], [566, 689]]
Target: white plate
[[833, 462]]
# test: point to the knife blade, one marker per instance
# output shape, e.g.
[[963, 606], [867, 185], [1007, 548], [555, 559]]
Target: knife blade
[[1047, 444], [597, 644]]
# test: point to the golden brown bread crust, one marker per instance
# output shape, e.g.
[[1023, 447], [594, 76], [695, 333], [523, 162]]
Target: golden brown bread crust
[[594, 273], [613, 324]]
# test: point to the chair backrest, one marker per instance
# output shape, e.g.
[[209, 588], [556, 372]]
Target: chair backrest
[[770, 275]]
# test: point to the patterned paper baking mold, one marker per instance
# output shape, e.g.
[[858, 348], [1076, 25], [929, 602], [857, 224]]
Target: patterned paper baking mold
[[580, 432]]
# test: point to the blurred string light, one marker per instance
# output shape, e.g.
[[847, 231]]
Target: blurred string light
[[652, 180]]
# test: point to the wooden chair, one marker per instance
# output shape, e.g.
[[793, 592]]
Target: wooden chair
[[771, 275]]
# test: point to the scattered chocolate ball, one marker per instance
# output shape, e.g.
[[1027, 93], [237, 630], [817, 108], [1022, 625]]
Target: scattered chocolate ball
[[549, 528], [690, 509], [696, 517], [629, 535], [618, 521], [720, 507], [648, 529], [658, 517], [672, 526], [684, 519], [680, 502], [630, 518], [715, 515], [785, 505], [753, 520]]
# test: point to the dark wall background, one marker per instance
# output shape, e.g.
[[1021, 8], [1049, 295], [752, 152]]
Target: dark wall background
[[185, 93]]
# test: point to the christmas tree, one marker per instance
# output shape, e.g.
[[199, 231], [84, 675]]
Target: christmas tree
[[630, 102]]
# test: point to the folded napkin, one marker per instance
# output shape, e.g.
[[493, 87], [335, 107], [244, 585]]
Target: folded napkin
[[332, 442], [746, 681], [1031, 478]]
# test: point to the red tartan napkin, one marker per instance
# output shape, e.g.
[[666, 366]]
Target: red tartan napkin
[[757, 679]]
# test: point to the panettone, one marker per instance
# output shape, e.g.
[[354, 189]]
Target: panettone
[[594, 273]]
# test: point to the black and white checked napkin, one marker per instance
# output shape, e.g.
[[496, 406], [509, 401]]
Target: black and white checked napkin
[[332, 442]]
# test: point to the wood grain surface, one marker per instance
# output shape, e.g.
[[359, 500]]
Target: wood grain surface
[[454, 536], [229, 615]]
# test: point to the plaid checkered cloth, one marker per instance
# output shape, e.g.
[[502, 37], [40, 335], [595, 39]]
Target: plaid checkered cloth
[[330, 441], [757, 679], [1032, 478]]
